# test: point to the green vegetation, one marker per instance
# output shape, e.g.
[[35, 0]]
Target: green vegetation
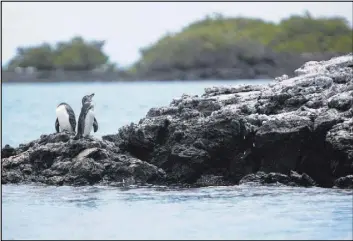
[[210, 42], [76, 54], [246, 38]]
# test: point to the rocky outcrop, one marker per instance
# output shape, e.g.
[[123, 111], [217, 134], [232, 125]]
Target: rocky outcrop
[[302, 124], [58, 159], [295, 131]]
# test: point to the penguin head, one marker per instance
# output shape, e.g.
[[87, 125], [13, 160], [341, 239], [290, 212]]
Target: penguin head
[[87, 98], [88, 106]]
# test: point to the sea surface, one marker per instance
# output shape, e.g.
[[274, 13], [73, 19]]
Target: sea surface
[[237, 212]]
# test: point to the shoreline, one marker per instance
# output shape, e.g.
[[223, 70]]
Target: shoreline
[[234, 70], [134, 81]]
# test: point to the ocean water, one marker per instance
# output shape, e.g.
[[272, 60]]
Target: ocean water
[[237, 212]]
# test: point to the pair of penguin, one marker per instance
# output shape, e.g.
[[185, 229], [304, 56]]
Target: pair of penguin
[[66, 120]]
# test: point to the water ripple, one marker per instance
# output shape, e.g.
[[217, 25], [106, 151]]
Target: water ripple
[[174, 213]]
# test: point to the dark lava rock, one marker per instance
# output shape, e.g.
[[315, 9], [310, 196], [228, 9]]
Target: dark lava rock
[[58, 159], [267, 133], [301, 124]]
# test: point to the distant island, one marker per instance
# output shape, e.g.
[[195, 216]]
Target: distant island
[[215, 47]]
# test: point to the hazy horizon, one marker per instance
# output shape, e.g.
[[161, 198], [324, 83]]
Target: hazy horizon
[[128, 26]]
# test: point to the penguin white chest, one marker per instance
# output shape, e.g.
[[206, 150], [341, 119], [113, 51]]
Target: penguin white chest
[[89, 119], [63, 118]]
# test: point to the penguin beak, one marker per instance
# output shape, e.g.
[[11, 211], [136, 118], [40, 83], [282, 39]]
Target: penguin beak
[[91, 95]]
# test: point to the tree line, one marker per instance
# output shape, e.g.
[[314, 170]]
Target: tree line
[[75, 54], [202, 43], [218, 40]]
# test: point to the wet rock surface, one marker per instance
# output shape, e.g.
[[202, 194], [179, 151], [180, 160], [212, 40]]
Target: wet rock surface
[[294, 131]]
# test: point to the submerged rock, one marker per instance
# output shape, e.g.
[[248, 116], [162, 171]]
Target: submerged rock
[[59, 160], [344, 182], [230, 134], [293, 179]]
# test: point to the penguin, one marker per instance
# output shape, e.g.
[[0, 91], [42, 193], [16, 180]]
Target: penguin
[[86, 120], [65, 118]]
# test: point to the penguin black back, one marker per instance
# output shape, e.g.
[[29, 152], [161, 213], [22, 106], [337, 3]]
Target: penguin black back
[[65, 118]]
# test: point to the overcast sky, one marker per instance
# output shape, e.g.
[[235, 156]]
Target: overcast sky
[[126, 27]]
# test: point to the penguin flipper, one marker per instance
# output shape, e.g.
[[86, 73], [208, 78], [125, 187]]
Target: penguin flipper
[[57, 125], [72, 117], [95, 125]]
